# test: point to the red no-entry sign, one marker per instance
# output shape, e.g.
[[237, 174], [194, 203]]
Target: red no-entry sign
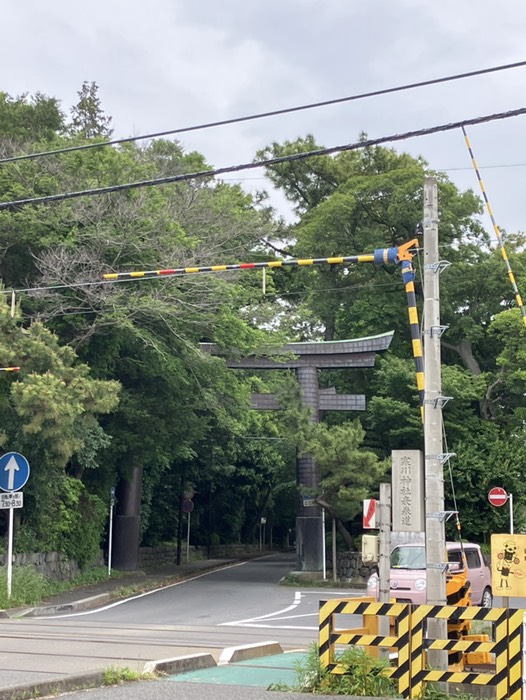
[[497, 496]]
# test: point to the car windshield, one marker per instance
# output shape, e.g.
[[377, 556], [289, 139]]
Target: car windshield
[[408, 558]]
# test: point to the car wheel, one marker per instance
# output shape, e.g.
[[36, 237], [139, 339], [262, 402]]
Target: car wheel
[[487, 598]]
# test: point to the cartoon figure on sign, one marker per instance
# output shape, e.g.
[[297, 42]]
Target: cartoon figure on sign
[[506, 564]]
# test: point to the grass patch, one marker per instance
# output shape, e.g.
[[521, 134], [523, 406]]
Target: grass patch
[[117, 676], [364, 677], [28, 587]]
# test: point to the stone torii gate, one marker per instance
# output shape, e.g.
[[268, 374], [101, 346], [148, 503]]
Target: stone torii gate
[[361, 353], [306, 359]]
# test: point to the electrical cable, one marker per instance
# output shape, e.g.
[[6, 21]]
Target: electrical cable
[[453, 492], [264, 163], [273, 113]]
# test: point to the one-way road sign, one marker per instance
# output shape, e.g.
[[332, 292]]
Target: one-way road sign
[[14, 471]]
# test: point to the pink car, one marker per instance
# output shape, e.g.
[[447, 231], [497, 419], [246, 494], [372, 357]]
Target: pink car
[[408, 573]]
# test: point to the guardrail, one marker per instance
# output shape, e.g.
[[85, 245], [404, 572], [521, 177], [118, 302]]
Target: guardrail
[[484, 662]]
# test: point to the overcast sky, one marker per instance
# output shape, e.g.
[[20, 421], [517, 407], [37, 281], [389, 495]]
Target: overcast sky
[[166, 64]]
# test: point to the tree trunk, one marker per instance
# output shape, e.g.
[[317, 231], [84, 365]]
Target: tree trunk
[[465, 350], [342, 530]]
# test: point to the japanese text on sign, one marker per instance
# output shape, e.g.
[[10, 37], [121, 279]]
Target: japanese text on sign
[[408, 491], [12, 500]]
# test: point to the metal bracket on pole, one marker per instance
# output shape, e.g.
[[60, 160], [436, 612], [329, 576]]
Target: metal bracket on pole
[[439, 401], [444, 515], [442, 566], [439, 266], [442, 457], [437, 331]]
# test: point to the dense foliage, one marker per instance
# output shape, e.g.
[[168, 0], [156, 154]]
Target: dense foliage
[[359, 201], [113, 376]]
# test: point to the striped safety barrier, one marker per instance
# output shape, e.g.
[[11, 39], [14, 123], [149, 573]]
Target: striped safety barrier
[[330, 637], [421, 644], [410, 667]]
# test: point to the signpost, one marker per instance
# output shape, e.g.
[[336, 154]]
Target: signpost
[[498, 496], [262, 523], [14, 473], [370, 508], [110, 533], [187, 507]]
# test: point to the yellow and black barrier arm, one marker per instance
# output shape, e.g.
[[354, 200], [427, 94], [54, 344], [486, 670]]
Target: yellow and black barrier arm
[[401, 255], [405, 260]]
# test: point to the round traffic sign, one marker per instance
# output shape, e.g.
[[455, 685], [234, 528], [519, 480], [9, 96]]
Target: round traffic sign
[[187, 506], [497, 496], [14, 471]]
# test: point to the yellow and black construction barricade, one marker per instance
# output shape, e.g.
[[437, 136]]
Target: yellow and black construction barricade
[[420, 644], [366, 636], [497, 663]]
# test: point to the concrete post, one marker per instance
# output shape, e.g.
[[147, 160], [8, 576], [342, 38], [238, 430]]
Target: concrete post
[[434, 457]]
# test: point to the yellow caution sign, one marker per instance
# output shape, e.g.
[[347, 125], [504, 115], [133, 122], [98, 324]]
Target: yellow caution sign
[[508, 565]]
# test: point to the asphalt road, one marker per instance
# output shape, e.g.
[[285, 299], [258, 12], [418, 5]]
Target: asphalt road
[[164, 690], [238, 605]]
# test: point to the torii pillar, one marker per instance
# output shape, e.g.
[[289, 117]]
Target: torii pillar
[[307, 359]]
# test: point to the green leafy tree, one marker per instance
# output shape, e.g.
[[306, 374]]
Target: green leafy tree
[[50, 412], [348, 472], [355, 202], [87, 116], [28, 119]]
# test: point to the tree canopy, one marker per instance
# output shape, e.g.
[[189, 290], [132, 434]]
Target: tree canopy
[[114, 376]]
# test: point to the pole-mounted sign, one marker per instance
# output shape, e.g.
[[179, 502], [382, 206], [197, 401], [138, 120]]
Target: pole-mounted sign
[[14, 471], [497, 496]]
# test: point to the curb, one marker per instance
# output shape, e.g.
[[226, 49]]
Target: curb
[[249, 651], [196, 662], [180, 664], [84, 604], [58, 685]]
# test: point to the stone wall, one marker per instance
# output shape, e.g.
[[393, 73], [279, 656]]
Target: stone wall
[[50, 564], [58, 567], [351, 568]]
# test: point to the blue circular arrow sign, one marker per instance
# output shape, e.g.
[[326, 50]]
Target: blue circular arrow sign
[[14, 471]]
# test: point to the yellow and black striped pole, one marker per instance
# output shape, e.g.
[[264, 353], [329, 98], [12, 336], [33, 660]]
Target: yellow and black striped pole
[[408, 277], [272, 264], [401, 255], [511, 276]]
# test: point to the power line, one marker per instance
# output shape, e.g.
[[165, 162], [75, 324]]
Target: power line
[[273, 113], [264, 163]]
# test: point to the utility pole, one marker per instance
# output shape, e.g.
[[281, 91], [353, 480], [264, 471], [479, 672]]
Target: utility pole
[[384, 563], [436, 559]]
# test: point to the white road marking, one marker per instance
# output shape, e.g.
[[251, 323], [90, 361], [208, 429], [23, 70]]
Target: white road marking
[[297, 600], [139, 595]]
